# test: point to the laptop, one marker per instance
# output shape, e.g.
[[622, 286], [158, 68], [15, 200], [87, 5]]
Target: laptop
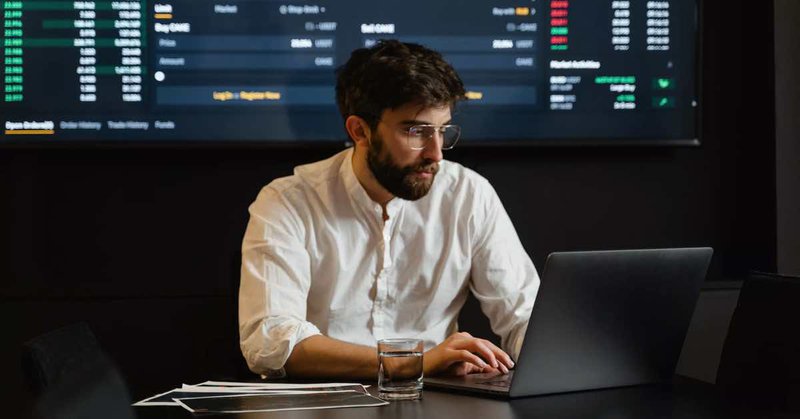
[[601, 319]]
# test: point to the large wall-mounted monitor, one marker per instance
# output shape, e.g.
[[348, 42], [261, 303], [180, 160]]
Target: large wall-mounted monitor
[[262, 71]]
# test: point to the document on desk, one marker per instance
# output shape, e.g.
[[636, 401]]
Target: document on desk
[[219, 388], [277, 386], [245, 403]]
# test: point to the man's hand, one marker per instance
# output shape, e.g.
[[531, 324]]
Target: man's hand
[[462, 354]]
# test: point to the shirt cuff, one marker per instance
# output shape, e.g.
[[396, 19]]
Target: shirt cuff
[[278, 337]]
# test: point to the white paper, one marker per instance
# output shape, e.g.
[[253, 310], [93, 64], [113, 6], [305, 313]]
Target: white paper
[[364, 400], [244, 388], [275, 386], [205, 390]]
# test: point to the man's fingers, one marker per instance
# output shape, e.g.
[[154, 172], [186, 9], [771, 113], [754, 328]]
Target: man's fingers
[[462, 368], [480, 354], [485, 351], [500, 354], [467, 356], [503, 357], [493, 355]]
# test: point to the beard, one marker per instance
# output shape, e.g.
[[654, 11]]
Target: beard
[[399, 181]]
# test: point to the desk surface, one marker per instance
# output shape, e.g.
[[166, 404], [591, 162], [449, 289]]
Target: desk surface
[[684, 399]]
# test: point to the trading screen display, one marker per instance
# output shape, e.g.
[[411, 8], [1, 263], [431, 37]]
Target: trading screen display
[[535, 71]]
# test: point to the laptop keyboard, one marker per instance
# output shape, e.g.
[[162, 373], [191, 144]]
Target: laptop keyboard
[[502, 382]]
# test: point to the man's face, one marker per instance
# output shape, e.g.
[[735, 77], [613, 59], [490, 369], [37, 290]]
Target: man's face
[[406, 173]]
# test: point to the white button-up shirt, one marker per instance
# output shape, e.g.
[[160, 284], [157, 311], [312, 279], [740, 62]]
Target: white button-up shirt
[[318, 258]]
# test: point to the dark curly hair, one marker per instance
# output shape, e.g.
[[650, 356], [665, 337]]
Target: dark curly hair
[[391, 74]]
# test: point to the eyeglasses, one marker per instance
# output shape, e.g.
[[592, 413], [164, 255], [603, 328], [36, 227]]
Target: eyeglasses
[[418, 136]]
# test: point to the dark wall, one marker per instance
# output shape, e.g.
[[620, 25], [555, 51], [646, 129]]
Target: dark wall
[[143, 242], [787, 134]]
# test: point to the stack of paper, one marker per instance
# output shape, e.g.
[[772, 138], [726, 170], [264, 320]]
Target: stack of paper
[[234, 397]]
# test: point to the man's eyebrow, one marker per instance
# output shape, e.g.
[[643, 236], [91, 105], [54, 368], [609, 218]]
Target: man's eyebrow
[[410, 122]]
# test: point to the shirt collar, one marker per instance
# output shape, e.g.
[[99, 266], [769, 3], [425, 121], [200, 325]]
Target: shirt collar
[[359, 195]]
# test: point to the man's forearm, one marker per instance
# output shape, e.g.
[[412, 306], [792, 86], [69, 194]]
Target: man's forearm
[[322, 357]]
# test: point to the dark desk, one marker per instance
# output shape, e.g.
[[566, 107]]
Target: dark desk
[[684, 399]]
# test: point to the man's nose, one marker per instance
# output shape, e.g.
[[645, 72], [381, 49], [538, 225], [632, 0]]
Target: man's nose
[[433, 148]]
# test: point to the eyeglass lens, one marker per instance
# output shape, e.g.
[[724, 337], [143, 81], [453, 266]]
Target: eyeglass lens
[[419, 135]]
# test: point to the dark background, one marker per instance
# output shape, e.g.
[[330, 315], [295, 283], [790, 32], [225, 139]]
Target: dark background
[[143, 243]]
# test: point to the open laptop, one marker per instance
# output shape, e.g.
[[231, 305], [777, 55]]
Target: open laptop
[[601, 319]]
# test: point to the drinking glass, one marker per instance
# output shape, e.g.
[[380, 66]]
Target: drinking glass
[[400, 369]]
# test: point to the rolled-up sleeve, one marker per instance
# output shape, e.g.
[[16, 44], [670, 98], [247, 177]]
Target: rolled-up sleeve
[[275, 280], [503, 278]]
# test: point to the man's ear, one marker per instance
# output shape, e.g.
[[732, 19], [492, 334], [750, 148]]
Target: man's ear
[[358, 130]]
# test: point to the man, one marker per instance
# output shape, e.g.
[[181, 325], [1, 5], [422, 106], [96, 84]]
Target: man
[[384, 239]]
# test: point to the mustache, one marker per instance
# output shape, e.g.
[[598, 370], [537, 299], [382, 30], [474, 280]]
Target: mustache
[[427, 167]]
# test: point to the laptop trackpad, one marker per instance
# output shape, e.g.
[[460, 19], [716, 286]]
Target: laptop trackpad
[[494, 381]]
